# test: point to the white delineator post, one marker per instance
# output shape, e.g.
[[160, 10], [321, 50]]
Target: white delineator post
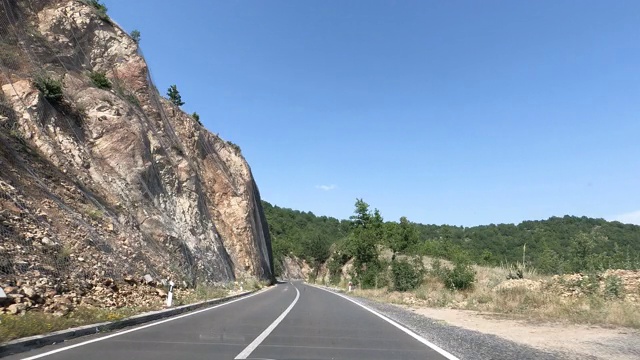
[[170, 294], [350, 286]]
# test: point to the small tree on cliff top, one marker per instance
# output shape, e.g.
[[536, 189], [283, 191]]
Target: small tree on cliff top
[[174, 96]]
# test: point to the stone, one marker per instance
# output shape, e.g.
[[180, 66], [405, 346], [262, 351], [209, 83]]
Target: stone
[[161, 293], [147, 279], [14, 309], [48, 242], [10, 290], [29, 292]]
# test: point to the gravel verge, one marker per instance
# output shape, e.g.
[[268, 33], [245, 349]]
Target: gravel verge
[[464, 344]]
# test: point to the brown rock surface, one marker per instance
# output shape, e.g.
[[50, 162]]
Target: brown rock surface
[[106, 186]]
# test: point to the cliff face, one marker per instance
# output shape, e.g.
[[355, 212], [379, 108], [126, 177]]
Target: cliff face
[[111, 182]]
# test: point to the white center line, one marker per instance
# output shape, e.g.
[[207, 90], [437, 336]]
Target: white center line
[[255, 343]]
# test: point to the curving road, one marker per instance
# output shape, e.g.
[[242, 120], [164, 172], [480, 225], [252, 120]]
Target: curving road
[[288, 321]]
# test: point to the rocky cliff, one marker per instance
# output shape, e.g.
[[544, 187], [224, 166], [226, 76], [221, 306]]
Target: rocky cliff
[[107, 179]]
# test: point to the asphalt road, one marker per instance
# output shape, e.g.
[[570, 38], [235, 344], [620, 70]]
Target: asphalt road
[[289, 321]]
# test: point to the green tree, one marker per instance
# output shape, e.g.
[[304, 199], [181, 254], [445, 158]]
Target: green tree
[[196, 117], [135, 35], [362, 216], [404, 238], [174, 95], [405, 276], [581, 251], [549, 262], [361, 243]]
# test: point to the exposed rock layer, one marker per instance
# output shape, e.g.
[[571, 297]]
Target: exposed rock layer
[[110, 183]]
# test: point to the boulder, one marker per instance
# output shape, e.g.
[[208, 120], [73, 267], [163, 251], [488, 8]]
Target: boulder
[[130, 280], [48, 242], [147, 279], [29, 292], [161, 293], [14, 309]]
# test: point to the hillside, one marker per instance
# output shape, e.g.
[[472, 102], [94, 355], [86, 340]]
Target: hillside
[[551, 245], [102, 180]]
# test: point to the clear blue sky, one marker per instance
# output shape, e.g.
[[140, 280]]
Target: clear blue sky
[[456, 112]]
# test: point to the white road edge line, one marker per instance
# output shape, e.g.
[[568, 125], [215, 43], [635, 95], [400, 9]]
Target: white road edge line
[[254, 344], [433, 346], [136, 329]]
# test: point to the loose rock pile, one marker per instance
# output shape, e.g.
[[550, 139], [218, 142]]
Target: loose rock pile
[[61, 298]]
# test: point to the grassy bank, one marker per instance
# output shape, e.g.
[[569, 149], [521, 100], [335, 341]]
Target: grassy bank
[[598, 299], [35, 322]]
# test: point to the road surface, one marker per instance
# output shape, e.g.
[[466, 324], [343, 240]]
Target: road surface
[[289, 321]]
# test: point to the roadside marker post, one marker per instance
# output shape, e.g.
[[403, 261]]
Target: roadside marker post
[[350, 286], [170, 295]]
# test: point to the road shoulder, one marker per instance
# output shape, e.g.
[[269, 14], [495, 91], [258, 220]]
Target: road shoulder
[[462, 343], [572, 341]]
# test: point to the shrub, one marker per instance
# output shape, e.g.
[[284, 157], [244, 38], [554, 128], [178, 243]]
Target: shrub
[[461, 277], [437, 270], [335, 270], [50, 88], [101, 9], [405, 276], [613, 287], [368, 278], [589, 284], [515, 272], [196, 117], [235, 147], [100, 80], [132, 99]]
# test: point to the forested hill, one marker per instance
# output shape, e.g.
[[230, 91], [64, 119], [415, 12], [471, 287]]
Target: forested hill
[[556, 245], [302, 234]]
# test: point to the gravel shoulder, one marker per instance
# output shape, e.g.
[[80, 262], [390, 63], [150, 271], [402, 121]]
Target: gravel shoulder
[[571, 341], [472, 335]]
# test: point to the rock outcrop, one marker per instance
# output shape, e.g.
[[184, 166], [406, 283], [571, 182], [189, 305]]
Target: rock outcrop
[[109, 182]]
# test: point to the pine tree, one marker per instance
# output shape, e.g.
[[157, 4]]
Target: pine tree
[[174, 96], [135, 35], [196, 117]]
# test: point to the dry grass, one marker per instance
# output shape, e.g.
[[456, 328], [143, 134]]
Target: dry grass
[[535, 300], [201, 293], [34, 323]]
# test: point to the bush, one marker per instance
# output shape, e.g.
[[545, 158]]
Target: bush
[[405, 276], [101, 9], [515, 272], [461, 277], [132, 99], [613, 287], [100, 80], [589, 284], [372, 277], [196, 117], [334, 266], [50, 88], [235, 147]]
